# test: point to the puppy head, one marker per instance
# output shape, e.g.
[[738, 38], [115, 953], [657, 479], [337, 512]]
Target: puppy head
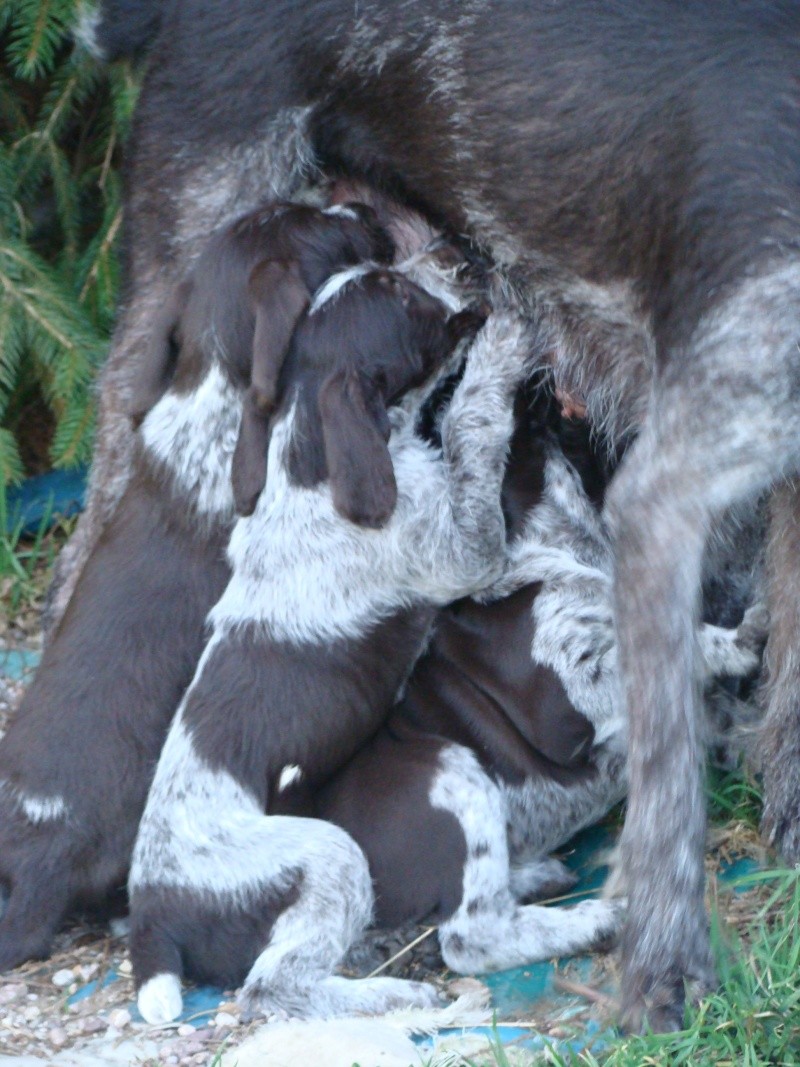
[[357, 354], [254, 277]]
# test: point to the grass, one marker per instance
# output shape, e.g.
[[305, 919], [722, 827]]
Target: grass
[[754, 1018], [752, 1021]]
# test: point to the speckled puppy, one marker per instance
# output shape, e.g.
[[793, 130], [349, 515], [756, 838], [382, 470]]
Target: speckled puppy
[[312, 640]]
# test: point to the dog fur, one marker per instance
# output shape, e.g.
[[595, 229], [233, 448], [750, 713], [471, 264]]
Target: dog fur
[[314, 636], [78, 758], [632, 171], [510, 736]]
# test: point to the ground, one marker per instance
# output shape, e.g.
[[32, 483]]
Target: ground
[[83, 993]]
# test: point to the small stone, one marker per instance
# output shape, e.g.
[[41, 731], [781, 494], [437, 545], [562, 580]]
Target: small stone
[[185, 1029], [57, 1037], [205, 1034], [63, 978], [32, 1013], [126, 967], [120, 1017], [88, 970], [191, 1048], [224, 1018], [93, 1024], [119, 927], [12, 991], [229, 1006]]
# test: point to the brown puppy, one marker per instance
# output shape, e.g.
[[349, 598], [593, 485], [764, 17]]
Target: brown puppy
[[76, 761]]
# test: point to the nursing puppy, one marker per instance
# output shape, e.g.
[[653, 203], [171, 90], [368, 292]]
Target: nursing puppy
[[510, 736], [77, 760], [312, 640], [633, 170]]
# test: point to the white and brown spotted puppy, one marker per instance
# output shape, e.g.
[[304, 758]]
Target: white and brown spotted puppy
[[510, 735], [312, 640], [77, 759]]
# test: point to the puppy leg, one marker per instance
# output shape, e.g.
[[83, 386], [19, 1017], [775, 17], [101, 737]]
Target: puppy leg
[[685, 469], [780, 735], [34, 910], [461, 539], [224, 893], [309, 939], [489, 930]]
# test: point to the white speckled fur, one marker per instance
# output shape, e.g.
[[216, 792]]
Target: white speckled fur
[[193, 435], [510, 828], [445, 538], [490, 930]]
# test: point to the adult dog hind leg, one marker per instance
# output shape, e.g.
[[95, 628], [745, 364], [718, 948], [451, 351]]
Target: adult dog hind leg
[[780, 737], [713, 437]]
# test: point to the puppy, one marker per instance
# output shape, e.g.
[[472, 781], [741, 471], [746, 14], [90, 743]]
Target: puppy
[[634, 177], [77, 760], [312, 640], [510, 736]]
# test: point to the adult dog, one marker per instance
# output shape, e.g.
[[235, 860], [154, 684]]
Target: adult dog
[[632, 168]]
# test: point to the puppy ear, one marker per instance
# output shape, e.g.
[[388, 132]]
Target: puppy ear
[[279, 298], [354, 430], [249, 461], [155, 369]]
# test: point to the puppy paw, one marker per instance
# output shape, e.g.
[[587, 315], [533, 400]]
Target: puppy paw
[[753, 630], [609, 923], [542, 879]]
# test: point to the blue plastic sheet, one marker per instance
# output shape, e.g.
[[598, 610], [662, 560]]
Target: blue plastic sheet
[[45, 499]]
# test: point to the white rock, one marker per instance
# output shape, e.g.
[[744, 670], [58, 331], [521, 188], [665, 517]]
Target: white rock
[[126, 967], [63, 978], [32, 1013], [57, 1037], [224, 1018], [119, 1018], [185, 1029]]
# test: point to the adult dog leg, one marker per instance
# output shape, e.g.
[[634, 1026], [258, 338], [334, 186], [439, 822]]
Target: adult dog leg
[[684, 470], [780, 737]]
